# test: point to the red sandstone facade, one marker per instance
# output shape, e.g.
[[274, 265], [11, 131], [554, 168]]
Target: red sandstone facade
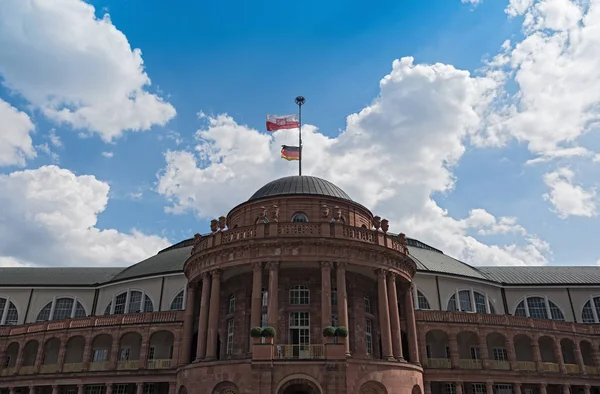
[[264, 265]]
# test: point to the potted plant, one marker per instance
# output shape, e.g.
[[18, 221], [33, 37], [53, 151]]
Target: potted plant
[[329, 332], [268, 332], [256, 332], [341, 332]]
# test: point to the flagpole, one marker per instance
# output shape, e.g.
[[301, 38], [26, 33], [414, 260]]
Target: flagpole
[[300, 101]]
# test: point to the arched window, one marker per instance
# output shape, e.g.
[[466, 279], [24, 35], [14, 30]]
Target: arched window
[[177, 303], [231, 304], [422, 302], [8, 312], [300, 218], [470, 301], [590, 314], [131, 301], [539, 308], [299, 295], [61, 308]]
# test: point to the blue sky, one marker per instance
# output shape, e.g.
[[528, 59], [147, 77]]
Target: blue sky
[[455, 146]]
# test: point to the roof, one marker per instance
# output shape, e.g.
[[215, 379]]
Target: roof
[[543, 275], [168, 260], [299, 185], [63, 276], [435, 261]]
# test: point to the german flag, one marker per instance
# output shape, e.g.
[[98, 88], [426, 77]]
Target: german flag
[[290, 152]]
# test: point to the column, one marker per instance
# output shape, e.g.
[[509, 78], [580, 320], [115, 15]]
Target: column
[[273, 303], [427, 387], [566, 389], [543, 388], [172, 387], [394, 316], [579, 357], [411, 328], [516, 388], [489, 387], [510, 353], [255, 311], [109, 388], [453, 343], [586, 389], [459, 387], [140, 388], [203, 317], [535, 350], [559, 356], [54, 389], [342, 295], [384, 316], [188, 325], [31, 389], [213, 316], [5, 312], [325, 295], [483, 349], [80, 388]]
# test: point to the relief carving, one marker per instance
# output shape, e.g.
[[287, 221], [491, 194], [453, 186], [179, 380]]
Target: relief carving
[[385, 225], [324, 211], [222, 223], [214, 225], [376, 222], [275, 213]]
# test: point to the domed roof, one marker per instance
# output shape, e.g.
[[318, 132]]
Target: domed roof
[[306, 185]]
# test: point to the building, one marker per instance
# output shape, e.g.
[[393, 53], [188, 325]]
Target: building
[[300, 256]]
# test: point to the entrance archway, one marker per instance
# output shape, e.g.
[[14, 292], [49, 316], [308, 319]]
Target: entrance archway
[[299, 386]]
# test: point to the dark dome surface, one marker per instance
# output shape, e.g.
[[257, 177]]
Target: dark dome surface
[[305, 185]]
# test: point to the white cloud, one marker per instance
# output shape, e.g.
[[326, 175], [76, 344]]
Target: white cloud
[[392, 157], [76, 68], [15, 142], [49, 218], [568, 199], [54, 139], [108, 155], [471, 1]]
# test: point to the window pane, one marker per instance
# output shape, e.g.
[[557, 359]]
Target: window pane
[[177, 304]]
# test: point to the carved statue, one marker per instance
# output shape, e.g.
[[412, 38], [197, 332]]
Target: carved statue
[[222, 223], [402, 240], [376, 222], [275, 213], [339, 217], [385, 225], [197, 240], [324, 211], [214, 225]]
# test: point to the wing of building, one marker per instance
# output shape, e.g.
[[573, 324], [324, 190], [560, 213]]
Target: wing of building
[[300, 289]]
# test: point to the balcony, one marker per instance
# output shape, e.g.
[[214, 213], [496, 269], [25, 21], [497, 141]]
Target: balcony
[[299, 352], [470, 364], [286, 352], [159, 364]]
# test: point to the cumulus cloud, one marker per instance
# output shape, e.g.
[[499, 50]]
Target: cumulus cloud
[[567, 198], [49, 219], [393, 156], [15, 140], [75, 68]]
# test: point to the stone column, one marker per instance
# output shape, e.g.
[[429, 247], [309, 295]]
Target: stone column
[[31, 389], [510, 353], [325, 295], [140, 388], [483, 349], [516, 388], [394, 317], [459, 387], [255, 311], [489, 387], [203, 317], [566, 389], [535, 350], [172, 387], [109, 388], [586, 389], [213, 316], [55, 389], [188, 325], [543, 389], [559, 356], [453, 343], [80, 388], [273, 302], [342, 295], [579, 357], [384, 316], [411, 327], [427, 387]]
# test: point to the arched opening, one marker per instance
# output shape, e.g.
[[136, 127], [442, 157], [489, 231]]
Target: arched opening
[[546, 345], [29, 354], [160, 351], [12, 352], [225, 387], [438, 349], [496, 344], [587, 352], [130, 347], [568, 351], [468, 350], [101, 345], [50, 361], [405, 351], [524, 353], [372, 387]]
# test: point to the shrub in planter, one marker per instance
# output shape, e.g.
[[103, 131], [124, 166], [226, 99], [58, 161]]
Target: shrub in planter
[[329, 332], [256, 332], [341, 332], [268, 332]]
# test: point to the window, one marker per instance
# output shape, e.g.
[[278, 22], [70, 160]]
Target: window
[[448, 352], [474, 353], [120, 389], [61, 308], [229, 350], [422, 302], [124, 353], [334, 300], [299, 295], [369, 336], [504, 389], [263, 320], [367, 304], [500, 354], [299, 218], [470, 301], [428, 351], [99, 355], [177, 303], [95, 389], [231, 304], [149, 388], [265, 297], [588, 314], [334, 319], [449, 388], [479, 388], [151, 352], [539, 308], [131, 301]]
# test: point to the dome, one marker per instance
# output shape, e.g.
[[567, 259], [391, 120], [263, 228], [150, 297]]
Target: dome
[[299, 185]]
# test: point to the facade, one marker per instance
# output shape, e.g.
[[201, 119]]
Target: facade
[[300, 256]]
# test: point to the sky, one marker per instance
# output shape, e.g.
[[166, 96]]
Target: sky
[[472, 125]]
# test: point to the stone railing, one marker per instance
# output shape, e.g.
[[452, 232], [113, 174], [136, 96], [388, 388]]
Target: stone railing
[[298, 230], [94, 321], [505, 320]]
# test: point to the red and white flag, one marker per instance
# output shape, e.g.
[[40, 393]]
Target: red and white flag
[[277, 122]]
